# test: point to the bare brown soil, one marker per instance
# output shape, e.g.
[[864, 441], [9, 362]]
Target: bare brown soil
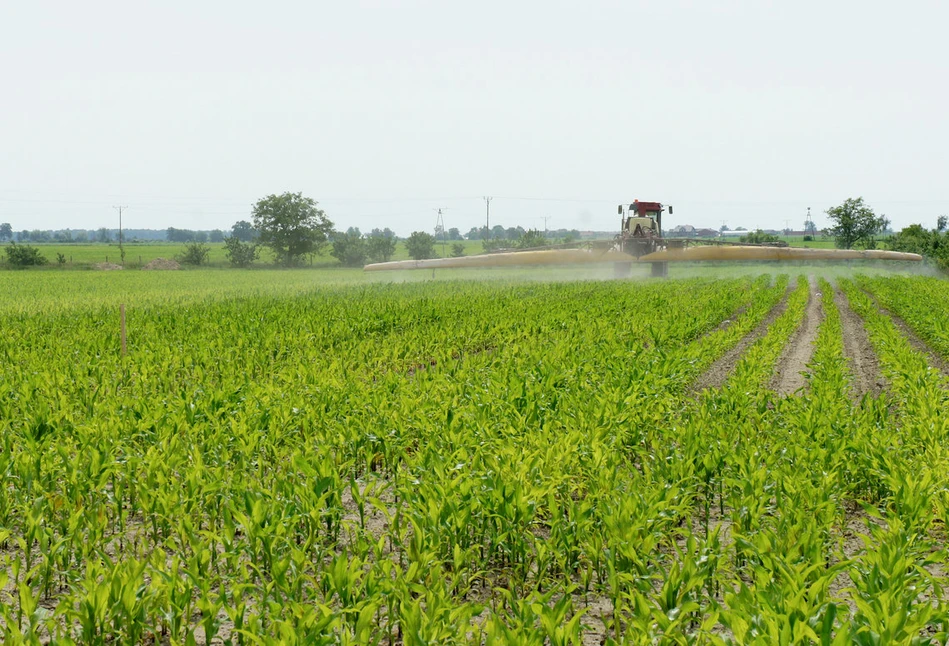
[[789, 372], [862, 360], [161, 263], [719, 371], [108, 266]]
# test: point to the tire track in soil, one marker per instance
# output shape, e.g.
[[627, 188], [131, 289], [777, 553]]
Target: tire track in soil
[[718, 373], [858, 351], [789, 375], [934, 359]]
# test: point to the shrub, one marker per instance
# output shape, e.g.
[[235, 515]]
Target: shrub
[[195, 253], [20, 255], [421, 245], [349, 248], [239, 253]]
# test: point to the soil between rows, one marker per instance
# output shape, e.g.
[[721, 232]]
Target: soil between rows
[[718, 373], [862, 360], [789, 372]]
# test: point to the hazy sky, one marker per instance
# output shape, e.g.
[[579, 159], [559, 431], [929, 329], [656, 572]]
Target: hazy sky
[[745, 111]]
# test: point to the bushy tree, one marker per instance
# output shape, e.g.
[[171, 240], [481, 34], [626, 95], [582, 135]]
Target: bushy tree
[[240, 253], [291, 225], [759, 237], [195, 253], [493, 245], [20, 255], [380, 246], [916, 239], [530, 239], [349, 248], [216, 236], [421, 245], [457, 250], [855, 224], [244, 231], [6, 231]]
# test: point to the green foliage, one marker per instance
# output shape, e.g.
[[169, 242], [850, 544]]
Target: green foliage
[[462, 462], [350, 248], [457, 250], [19, 255], [420, 245], [493, 245], [532, 239], [244, 231], [291, 226], [6, 231], [380, 246], [195, 254], [915, 239], [240, 253], [855, 224], [759, 237]]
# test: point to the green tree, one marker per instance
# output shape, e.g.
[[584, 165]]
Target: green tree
[[915, 239], [216, 236], [759, 237], [941, 222], [530, 239], [6, 231], [291, 225], [243, 231], [855, 224], [380, 246], [195, 253], [490, 246], [240, 253], [457, 250], [103, 235], [20, 255], [421, 245], [349, 248]]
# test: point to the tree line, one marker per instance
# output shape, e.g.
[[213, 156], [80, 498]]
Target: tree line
[[294, 228]]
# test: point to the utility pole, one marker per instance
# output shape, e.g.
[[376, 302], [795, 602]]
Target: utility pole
[[121, 236], [545, 218], [440, 226], [487, 217]]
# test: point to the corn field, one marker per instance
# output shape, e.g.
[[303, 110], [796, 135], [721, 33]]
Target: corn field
[[452, 462]]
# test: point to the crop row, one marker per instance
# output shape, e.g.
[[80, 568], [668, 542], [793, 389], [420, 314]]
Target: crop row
[[463, 463]]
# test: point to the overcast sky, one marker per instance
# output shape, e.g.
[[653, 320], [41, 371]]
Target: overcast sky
[[743, 111]]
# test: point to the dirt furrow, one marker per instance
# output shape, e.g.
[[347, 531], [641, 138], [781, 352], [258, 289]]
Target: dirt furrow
[[934, 359], [718, 372], [789, 372], [858, 351]]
